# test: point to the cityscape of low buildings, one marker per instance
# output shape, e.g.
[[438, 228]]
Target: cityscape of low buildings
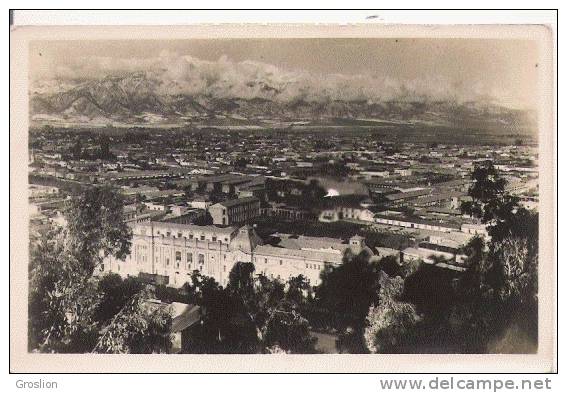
[[266, 181]]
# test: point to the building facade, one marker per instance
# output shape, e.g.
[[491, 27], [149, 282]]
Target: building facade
[[235, 211], [172, 252]]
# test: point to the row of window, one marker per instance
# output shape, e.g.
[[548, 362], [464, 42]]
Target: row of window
[[200, 268], [266, 260], [201, 260], [191, 236], [141, 256], [307, 265]]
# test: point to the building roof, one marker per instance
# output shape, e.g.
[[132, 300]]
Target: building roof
[[406, 195], [223, 178], [443, 210], [238, 201], [188, 227], [185, 316], [312, 255], [440, 197], [311, 243], [452, 183], [386, 251], [417, 220], [425, 255], [145, 173], [246, 240], [349, 200]]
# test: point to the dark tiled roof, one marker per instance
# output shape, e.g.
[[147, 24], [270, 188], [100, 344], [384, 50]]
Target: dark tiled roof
[[406, 195], [239, 201]]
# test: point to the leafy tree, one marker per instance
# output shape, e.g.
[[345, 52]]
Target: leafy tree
[[498, 290], [241, 282], [188, 193], [70, 310], [96, 228], [487, 184], [267, 296], [514, 221], [475, 251], [240, 163], [104, 148], [495, 207], [390, 265], [500, 285], [391, 321], [297, 289], [138, 327], [47, 267], [139, 198], [517, 271], [468, 311], [61, 302], [224, 328], [486, 189], [348, 291], [276, 319], [115, 294], [287, 329], [253, 299], [431, 289]]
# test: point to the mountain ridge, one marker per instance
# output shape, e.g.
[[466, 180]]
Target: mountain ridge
[[138, 97]]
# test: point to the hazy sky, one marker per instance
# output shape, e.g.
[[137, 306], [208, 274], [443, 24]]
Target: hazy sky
[[466, 68]]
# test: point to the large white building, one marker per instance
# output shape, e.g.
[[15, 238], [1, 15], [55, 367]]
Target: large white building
[[171, 252]]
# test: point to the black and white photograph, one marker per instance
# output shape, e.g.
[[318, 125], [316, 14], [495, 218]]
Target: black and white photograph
[[326, 195]]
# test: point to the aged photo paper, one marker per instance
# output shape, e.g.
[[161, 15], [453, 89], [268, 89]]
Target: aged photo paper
[[282, 198]]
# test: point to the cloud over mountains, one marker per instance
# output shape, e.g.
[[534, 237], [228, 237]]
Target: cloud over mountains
[[175, 89], [224, 78]]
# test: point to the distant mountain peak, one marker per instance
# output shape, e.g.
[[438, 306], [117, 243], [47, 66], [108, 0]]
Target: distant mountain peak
[[133, 97]]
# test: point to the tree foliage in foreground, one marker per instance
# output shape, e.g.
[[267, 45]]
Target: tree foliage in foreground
[[287, 329], [492, 306], [61, 300], [96, 228], [347, 291], [391, 321], [499, 290], [139, 327], [69, 308], [495, 207], [253, 314]]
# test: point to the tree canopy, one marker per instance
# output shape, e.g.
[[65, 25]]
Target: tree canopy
[[96, 227], [391, 321], [347, 291], [70, 309]]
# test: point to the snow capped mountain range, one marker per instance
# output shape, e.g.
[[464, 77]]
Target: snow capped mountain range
[[158, 96]]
